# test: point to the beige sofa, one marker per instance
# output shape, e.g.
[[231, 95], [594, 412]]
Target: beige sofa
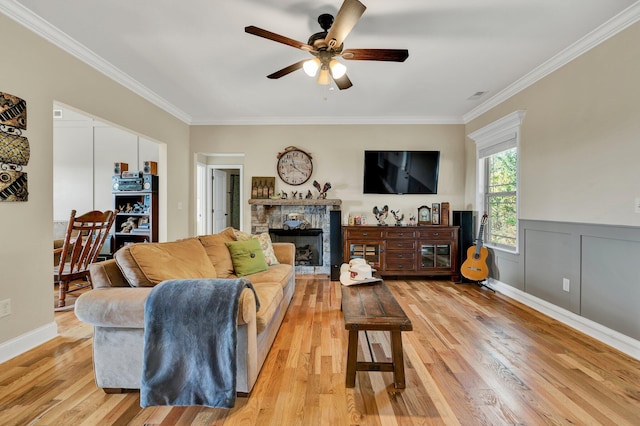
[[115, 307]]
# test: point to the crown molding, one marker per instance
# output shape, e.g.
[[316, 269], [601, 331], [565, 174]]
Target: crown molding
[[613, 26], [292, 121], [44, 29]]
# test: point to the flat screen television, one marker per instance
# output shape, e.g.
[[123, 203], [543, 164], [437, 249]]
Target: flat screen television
[[401, 172]]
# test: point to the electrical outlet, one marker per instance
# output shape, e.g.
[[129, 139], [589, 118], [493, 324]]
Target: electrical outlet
[[637, 205], [566, 284], [5, 307]]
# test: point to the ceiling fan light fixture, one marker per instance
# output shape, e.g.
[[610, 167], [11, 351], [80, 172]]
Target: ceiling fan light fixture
[[311, 67], [337, 69], [323, 76], [326, 47]]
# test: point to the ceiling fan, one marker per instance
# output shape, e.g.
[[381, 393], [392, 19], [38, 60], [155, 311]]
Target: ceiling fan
[[327, 45]]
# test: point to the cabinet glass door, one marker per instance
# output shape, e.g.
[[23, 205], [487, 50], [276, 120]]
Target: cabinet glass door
[[443, 256], [435, 256], [428, 255], [367, 251]]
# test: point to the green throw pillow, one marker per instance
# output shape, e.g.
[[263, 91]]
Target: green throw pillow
[[247, 257]]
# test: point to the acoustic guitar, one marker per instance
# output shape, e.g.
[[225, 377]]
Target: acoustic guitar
[[475, 267]]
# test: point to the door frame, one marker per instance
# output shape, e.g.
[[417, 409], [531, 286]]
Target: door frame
[[220, 196], [210, 203]]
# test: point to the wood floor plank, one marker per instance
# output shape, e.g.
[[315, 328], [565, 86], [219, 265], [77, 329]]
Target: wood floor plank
[[473, 357]]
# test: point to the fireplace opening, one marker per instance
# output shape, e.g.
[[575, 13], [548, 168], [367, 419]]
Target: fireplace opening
[[308, 244]]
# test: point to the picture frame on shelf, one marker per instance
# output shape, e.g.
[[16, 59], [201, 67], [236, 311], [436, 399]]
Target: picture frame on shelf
[[435, 213], [263, 186], [424, 215]]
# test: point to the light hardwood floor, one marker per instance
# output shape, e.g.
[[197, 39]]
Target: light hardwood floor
[[474, 357]]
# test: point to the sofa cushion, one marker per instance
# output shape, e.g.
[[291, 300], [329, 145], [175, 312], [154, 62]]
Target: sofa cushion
[[145, 265], [130, 269], [247, 257], [280, 273], [270, 295], [214, 246], [265, 244]]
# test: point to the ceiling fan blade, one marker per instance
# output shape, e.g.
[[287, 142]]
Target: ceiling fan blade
[[347, 17], [393, 55], [287, 70], [343, 82], [277, 37]]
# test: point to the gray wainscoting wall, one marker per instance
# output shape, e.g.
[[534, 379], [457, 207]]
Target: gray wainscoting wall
[[602, 264]]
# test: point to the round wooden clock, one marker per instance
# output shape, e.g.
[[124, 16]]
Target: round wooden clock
[[294, 166]]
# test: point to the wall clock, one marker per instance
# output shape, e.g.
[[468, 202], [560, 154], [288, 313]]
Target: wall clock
[[294, 166]]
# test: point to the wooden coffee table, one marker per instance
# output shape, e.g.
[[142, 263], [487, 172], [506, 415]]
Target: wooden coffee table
[[373, 307]]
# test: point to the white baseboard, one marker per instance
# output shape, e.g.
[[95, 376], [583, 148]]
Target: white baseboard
[[610, 337], [27, 341]]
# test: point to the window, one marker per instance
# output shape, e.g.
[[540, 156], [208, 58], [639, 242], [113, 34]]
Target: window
[[501, 198], [497, 152]]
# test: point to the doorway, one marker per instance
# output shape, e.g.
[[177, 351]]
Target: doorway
[[85, 149], [219, 189]]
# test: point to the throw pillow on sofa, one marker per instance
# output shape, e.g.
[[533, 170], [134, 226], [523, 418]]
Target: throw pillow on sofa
[[247, 257], [265, 244], [218, 252], [145, 265]]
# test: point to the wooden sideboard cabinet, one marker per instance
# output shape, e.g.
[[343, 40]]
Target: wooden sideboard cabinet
[[405, 250]]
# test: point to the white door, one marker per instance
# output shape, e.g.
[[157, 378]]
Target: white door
[[201, 199], [220, 212]]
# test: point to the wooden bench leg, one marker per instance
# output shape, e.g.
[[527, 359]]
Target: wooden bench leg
[[398, 360], [352, 359]]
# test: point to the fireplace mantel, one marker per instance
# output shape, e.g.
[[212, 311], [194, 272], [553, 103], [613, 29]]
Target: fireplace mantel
[[296, 202], [269, 214]]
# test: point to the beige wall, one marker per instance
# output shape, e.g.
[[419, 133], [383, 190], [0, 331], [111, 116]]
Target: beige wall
[[337, 153], [580, 140], [579, 153], [40, 73]]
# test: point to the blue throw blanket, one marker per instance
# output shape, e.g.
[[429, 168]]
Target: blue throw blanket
[[190, 343]]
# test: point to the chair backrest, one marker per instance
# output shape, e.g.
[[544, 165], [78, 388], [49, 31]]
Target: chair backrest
[[84, 239]]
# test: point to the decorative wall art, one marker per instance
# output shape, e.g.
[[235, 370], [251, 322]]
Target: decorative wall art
[[14, 148]]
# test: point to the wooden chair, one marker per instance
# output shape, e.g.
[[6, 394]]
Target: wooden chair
[[83, 241]]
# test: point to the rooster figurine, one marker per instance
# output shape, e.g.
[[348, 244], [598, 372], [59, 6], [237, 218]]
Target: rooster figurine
[[398, 217], [381, 215]]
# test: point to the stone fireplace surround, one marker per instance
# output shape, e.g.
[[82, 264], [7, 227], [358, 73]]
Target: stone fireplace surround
[[269, 214]]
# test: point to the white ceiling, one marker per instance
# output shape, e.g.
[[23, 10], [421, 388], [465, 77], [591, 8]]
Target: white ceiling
[[193, 58]]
